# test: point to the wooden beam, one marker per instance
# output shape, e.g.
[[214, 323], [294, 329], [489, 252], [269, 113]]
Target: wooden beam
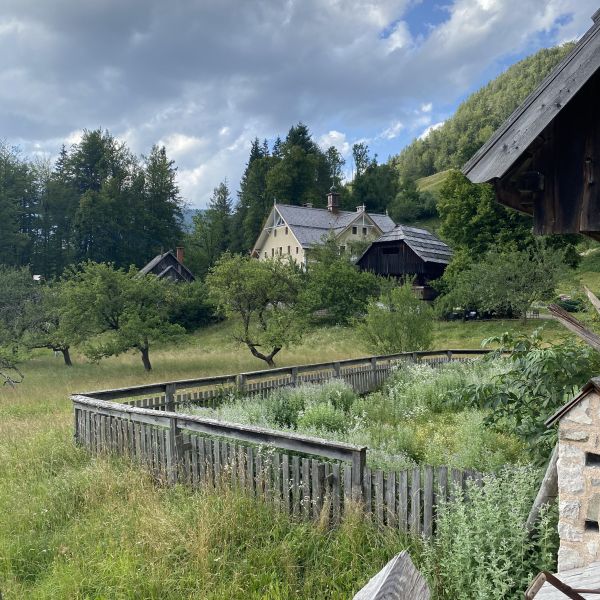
[[548, 490], [574, 325], [592, 298]]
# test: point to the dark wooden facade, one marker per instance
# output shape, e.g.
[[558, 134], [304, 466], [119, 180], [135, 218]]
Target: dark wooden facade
[[545, 160], [408, 252], [396, 259]]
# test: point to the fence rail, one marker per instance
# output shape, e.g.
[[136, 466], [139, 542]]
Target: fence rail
[[363, 374], [305, 476]]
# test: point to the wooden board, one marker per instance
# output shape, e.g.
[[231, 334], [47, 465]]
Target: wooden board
[[398, 580]]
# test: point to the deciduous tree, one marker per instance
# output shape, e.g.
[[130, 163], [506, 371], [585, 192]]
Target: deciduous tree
[[263, 295]]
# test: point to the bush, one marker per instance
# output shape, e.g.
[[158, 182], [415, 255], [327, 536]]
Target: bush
[[482, 550], [398, 322], [323, 417], [191, 307]]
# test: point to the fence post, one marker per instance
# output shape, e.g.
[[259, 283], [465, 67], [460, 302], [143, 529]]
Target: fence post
[[337, 370], [174, 451], [359, 461], [170, 397], [415, 358], [449, 355], [294, 376], [240, 383]]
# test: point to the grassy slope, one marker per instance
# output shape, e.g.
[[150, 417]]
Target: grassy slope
[[73, 527], [432, 183]]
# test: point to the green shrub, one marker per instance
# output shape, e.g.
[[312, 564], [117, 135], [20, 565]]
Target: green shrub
[[481, 550], [397, 322], [323, 417]]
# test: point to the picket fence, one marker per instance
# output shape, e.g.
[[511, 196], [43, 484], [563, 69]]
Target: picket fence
[[307, 477]]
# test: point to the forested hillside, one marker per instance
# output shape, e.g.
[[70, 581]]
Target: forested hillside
[[477, 117], [100, 202]]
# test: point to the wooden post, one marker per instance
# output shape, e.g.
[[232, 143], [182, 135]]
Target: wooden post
[[359, 460], [240, 383], [294, 376], [449, 355], [170, 397], [547, 492], [337, 369]]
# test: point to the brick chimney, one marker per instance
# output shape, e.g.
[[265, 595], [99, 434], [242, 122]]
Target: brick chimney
[[333, 200], [179, 252]]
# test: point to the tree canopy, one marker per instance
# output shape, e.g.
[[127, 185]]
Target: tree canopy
[[263, 297]]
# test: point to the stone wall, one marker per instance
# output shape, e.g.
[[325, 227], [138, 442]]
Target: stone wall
[[579, 484]]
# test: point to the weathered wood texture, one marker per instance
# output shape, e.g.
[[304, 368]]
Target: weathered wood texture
[[398, 580], [363, 374], [302, 476], [584, 580]]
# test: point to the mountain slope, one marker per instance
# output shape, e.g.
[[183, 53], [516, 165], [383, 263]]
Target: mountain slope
[[477, 118]]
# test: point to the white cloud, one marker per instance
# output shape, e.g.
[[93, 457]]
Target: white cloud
[[430, 129], [206, 77], [336, 139], [389, 133]]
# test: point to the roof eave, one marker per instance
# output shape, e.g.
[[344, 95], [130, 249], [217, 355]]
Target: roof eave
[[592, 385], [481, 168]]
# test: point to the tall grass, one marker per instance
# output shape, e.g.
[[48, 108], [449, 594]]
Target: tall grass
[[413, 419], [72, 526]]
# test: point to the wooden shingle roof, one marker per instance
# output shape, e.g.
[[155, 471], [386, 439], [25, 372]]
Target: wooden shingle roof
[[512, 139], [423, 243]]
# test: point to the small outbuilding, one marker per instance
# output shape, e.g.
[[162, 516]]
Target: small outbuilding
[[169, 265], [408, 252], [578, 470], [545, 159]]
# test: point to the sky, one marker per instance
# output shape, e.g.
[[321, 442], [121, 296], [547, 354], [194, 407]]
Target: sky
[[204, 77]]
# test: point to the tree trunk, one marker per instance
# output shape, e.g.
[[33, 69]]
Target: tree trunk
[[268, 358], [67, 356], [146, 358]]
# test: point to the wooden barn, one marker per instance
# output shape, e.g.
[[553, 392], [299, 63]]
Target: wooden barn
[[545, 159], [169, 265], [408, 252]]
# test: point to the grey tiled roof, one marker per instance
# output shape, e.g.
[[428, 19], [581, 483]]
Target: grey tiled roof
[[423, 243], [311, 225]]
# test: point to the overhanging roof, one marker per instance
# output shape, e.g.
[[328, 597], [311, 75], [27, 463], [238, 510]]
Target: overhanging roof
[[515, 135]]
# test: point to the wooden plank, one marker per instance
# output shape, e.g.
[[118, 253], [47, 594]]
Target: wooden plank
[[367, 491], [415, 501], [336, 483], [547, 492], [286, 484], [277, 467], [296, 490], [250, 477], [398, 580], [318, 488], [442, 485], [305, 486], [428, 502], [390, 499], [403, 500], [379, 498], [194, 460]]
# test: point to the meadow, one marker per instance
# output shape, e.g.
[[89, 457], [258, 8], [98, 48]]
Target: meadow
[[76, 527]]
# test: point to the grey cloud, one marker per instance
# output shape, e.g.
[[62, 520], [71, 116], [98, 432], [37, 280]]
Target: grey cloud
[[150, 70]]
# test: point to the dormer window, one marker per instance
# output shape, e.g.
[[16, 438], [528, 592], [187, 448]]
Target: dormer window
[[274, 232], [286, 231]]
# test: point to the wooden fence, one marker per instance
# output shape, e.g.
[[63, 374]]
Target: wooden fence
[[362, 374], [307, 477]]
